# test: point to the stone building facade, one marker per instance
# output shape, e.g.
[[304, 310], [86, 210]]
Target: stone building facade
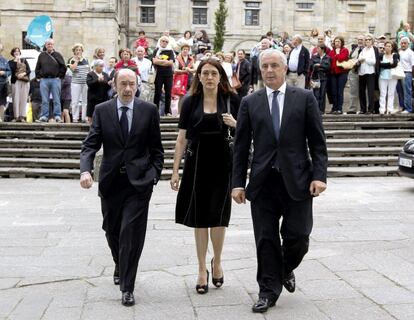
[[115, 23]]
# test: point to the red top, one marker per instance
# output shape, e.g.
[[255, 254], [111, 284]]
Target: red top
[[142, 43], [130, 65], [341, 56]]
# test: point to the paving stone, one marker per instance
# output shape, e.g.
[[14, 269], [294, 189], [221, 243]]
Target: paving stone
[[327, 289], [401, 311]]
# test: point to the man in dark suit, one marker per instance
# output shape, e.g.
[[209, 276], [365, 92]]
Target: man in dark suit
[[132, 162], [284, 122], [298, 63], [243, 70]]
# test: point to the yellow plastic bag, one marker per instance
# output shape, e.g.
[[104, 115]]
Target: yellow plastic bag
[[29, 114]]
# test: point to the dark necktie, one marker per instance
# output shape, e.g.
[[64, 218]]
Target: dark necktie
[[124, 123], [276, 115]]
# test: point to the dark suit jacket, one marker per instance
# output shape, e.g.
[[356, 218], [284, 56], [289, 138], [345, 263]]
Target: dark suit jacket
[[244, 72], [142, 154], [303, 64], [301, 127]]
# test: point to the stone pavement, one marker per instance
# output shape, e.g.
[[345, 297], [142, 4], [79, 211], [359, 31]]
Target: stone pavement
[[54, 262]]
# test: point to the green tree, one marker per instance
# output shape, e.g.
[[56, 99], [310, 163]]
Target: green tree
[[220, 25]]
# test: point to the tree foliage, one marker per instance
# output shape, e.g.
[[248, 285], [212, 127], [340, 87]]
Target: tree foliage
[[220, 25]]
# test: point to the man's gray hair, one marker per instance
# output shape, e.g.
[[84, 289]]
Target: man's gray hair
[[405, 39], [269, 52], [299, 37]]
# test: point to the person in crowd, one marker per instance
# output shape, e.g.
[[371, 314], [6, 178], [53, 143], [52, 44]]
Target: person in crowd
[[225, 60], [97, 81], [80, 68], [35, 98], [272, 41], [328, 39], [284, 39], [387, 85], [126, 61], [163, 62], [256, 78], [144, 66], [319, 67], [20, 78], [407, 62], [353, 77], [368, 67], [320, 40], [142, 42], [4, 75], [50, 69], [111, 66], [286, 125], [287, 48], [339, 75], [66, 96], [186, 39], [314, 41], [202, 42], [203, 201], [184, 64], [131, 166], [243, 70], [405, 32], [172, 44], [99, 53], [298, 62]]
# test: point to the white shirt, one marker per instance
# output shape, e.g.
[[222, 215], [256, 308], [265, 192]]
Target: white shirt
[[144, 67], [129, 111], [407, 59], [368, 66], [294, 59], [280, 98]]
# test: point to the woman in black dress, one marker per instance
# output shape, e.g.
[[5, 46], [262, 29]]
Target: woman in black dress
[[204, 199]]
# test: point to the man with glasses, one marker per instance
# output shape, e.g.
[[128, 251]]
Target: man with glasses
[[407, 62], [163, 62]]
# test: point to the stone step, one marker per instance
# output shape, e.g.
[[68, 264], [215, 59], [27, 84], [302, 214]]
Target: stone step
[[366, 142], [364, 118], [36, 143], [352, 152], [27, 172], [346, 134], [362, 171], [40, 153], [369, 125], [39, 163]]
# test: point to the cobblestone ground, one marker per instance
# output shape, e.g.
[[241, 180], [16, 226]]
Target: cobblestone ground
[[54, 262]]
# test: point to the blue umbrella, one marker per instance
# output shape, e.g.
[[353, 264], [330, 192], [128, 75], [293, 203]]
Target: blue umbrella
[[39, 30]]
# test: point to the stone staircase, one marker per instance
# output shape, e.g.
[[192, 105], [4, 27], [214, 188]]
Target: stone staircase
[[357, 146]]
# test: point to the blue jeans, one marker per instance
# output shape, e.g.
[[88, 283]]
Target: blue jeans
[[48, 86], [338, 82], [408, 82]]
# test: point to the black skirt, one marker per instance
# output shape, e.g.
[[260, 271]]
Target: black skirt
[[204, 198]]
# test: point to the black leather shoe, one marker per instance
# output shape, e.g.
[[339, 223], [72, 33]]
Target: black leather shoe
[[289, 282], [202, 289], [262, 305], [128, 298], [116, 275], [217, 282]]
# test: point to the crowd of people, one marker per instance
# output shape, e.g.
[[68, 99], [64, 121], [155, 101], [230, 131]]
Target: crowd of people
[[376, 70]]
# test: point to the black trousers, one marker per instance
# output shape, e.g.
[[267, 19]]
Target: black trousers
[[320, 95], [367, 82], [166, 81], [125, 215], [275, 258]]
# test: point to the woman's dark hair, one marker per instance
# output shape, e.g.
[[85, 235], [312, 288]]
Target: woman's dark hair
[[340, 39], [242, 50], [187, 31], [269, 33], [14, 50], [141, 32], [323, 47], [124, 50], [224, 86], [204, 35], [393, 45]]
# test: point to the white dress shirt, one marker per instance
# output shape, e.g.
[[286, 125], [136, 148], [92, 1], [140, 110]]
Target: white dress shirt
[[144, 67], [280, 99], [407, 59], [368, 66], [294, 59], [130, 111]]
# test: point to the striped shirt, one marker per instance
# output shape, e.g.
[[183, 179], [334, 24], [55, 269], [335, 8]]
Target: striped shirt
[[80, 73]]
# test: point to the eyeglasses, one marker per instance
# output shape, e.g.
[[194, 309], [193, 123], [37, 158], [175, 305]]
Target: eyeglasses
[[164, 41]]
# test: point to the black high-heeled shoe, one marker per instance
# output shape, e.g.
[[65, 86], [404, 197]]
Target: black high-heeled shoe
[[218, 282], [202, 289]]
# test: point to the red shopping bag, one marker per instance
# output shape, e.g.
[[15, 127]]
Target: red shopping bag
[[179, 84]]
